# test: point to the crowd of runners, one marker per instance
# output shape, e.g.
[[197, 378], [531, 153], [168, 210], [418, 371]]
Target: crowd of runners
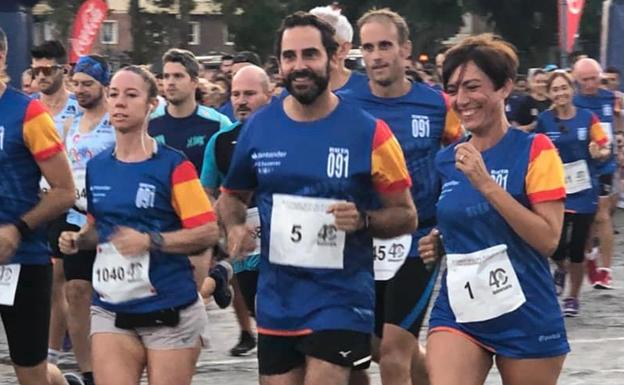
[[321, 203]]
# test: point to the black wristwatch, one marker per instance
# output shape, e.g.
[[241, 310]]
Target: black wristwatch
[[23, 228], [156, 241]]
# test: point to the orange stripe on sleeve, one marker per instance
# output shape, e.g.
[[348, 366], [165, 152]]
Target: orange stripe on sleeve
[[597, 133], [453, 129], [545, 179], [389, 171], [189, 198], [40, 135]]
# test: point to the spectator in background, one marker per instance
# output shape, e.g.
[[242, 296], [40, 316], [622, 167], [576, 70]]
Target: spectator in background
[[226, 65], [525, 117]]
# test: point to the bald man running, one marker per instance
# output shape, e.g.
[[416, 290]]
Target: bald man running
[[608, 107], [250, 91]]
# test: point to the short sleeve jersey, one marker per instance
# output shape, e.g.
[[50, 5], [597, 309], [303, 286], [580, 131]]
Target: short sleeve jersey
[[276, 155], [27, 135], [160, 194], [528, 167], [190, 134], [572, 138], [422, 122], [605, 105]]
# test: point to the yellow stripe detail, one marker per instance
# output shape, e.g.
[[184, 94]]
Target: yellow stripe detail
[[40, 133], [545, 173], [388, 164], [189, 199], [452, 127], [597, 133]]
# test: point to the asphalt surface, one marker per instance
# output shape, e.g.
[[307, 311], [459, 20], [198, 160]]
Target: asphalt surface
[[596, 337]]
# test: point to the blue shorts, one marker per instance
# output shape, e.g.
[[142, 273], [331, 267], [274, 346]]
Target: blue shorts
[[527, 332]]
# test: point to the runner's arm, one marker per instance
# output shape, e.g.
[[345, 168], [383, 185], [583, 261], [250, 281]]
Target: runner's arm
[[398, 216]]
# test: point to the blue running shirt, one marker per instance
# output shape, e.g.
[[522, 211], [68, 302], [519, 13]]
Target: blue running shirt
[[348, 155], [527, 167], [27, 135], [160, 194], [572, 138]]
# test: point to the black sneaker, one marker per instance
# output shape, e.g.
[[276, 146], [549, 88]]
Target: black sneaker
[[222, 274], [73, 379], [245, 346]]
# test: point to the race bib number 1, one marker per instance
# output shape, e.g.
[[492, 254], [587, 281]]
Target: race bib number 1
[[9, 277], [482, 285]]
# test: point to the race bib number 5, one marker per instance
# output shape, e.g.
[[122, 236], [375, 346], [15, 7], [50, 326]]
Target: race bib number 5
[[119, 279], [303, 234], [9, 277], [482, 285]]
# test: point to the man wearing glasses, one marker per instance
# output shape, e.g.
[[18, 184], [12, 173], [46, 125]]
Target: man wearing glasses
[[49, 65]]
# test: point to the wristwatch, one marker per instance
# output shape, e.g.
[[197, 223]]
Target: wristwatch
[[156, 241], [22, 228]]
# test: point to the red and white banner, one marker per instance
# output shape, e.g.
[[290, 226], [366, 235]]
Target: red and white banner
[[86, 26], [574, 12]]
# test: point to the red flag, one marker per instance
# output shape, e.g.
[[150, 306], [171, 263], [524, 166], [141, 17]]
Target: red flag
[[573, 17], [86, 26]]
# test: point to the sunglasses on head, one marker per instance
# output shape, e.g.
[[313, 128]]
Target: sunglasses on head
[[45, 70], [562, 127]]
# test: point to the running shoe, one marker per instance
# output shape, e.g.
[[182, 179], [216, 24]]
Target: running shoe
[[245, 346], [73, 379], [570, 307], [559, 277], [222, 274], [604, 279]]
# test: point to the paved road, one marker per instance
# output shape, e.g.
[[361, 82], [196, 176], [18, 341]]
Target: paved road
[[597, 339]]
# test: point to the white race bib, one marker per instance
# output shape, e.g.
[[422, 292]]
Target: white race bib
[[577, 176], [303, 234], [253, 221], [390, 254], [608, 129], [9, 277], [120, 279], [482, 285], [80, 183]]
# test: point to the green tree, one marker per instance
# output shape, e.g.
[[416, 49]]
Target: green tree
[[254, 22], [63, 16]]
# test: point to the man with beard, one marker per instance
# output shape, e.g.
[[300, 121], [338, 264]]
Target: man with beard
[[422, 121], [250, 91], [187, 126], [326, 177], [88, 134], [49, 64]]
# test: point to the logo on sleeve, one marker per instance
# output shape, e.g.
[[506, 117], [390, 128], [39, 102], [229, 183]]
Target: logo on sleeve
[[145, 196], [1, 138], [338, 162], [421, 127]]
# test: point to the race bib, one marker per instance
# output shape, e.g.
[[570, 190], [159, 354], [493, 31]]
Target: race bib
[[253, 221], [81, 189], [577, 177], [482, 285], [303, 234], [608, 129], [390, 254], [119, 279], [9, 277]]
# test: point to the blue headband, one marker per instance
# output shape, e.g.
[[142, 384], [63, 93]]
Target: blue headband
[[93, 68]]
